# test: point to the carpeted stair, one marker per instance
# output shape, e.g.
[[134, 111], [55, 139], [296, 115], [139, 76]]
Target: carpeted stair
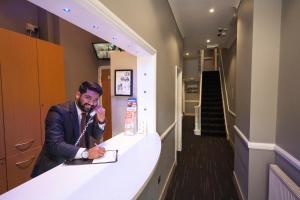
[[212, 117]]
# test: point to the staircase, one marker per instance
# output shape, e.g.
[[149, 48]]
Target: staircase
[[212, 117]]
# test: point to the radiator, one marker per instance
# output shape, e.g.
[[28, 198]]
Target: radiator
[[281, 187]]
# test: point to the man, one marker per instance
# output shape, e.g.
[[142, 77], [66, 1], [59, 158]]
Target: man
[[64, 127]]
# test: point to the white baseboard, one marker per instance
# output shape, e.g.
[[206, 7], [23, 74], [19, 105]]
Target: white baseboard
[[238, 187], [167, 183]]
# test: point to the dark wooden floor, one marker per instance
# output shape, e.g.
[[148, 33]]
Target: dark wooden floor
[[204, 168]]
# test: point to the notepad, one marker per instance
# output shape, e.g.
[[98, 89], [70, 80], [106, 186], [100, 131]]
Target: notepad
[[109, 156]]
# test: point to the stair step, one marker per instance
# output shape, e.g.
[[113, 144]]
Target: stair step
[[215, 92], [205, 98], [211, 109], [212, 117], [209, 115], [213, 127], [212, 103], [213, 133], [207, 120]]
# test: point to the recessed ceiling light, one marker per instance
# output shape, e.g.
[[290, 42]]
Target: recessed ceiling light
[[67, 9], [208, 40], [187, 53], [212, 10]]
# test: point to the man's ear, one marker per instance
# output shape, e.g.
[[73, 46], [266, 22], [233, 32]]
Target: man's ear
[[77, 95]]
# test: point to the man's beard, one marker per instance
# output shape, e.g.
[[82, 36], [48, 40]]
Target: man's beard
[[83, 107]]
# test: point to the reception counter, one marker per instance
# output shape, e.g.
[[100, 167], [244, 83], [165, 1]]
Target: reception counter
[[137, 158]]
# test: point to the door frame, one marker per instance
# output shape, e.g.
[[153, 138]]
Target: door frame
[[178, 108], [100, 68]]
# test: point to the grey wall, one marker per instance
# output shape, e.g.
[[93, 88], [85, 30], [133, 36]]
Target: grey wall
[[80, 60], [274, 96], [258, 176], [229, 67], [190, 68], [153, 21], [241, 164], [229, 62], [288, 114], [243, 65], [264, 92], [243, 91], [159, 29], [264, 70], [14, 14], [121, 60]]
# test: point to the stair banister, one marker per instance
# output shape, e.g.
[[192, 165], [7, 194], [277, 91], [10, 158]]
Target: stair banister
[[197, 130]]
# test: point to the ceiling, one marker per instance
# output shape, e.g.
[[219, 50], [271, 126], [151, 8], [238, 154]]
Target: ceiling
[[197, 24], [94, 17], [193, 18]]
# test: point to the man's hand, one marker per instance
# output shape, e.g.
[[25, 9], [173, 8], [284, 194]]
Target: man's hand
[[100, 114], [96, 152]]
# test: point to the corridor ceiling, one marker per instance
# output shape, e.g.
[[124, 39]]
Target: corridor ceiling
[[197, 24]]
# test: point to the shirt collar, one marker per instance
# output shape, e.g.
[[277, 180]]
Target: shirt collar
[[79, 111]]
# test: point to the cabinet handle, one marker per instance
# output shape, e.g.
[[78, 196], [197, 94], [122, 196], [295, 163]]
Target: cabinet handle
[[26, 163], [24, 146]]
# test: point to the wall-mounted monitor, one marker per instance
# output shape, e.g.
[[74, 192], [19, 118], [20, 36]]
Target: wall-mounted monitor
[[103, 49]]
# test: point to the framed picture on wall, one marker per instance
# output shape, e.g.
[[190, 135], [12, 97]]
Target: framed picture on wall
[[123, 82]]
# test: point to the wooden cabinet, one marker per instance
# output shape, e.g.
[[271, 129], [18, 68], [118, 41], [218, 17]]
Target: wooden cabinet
[[19, 167], [31, 80], [3, 185], [20, 93], [51, 77], [2, 145]]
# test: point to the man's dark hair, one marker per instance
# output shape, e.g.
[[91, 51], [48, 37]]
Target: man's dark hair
[[87, 85]]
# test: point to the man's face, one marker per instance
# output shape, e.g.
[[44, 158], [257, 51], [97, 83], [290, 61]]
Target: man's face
[[87, 101]]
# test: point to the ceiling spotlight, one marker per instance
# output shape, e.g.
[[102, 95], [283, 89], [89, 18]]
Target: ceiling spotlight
[[208, 41], [67, 10], [212, 10], [187, 53]]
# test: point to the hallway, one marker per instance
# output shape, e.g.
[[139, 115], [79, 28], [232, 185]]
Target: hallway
[[204, 168]]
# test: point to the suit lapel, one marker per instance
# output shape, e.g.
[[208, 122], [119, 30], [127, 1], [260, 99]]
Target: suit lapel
[[74, 119]]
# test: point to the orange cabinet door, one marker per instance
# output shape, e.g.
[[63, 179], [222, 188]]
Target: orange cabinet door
[[3, 184], [51, 77], [19, 167], [2, 145], [20, 92]]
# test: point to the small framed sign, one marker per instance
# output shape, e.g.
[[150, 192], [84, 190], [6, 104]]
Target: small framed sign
[[123, 82]]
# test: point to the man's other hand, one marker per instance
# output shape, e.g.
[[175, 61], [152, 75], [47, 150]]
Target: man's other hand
[[96, 152]]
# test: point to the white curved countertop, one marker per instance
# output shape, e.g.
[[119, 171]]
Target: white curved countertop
[[137, 158]]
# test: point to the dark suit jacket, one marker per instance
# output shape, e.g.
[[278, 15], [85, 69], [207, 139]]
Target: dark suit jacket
[[62, 131]]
